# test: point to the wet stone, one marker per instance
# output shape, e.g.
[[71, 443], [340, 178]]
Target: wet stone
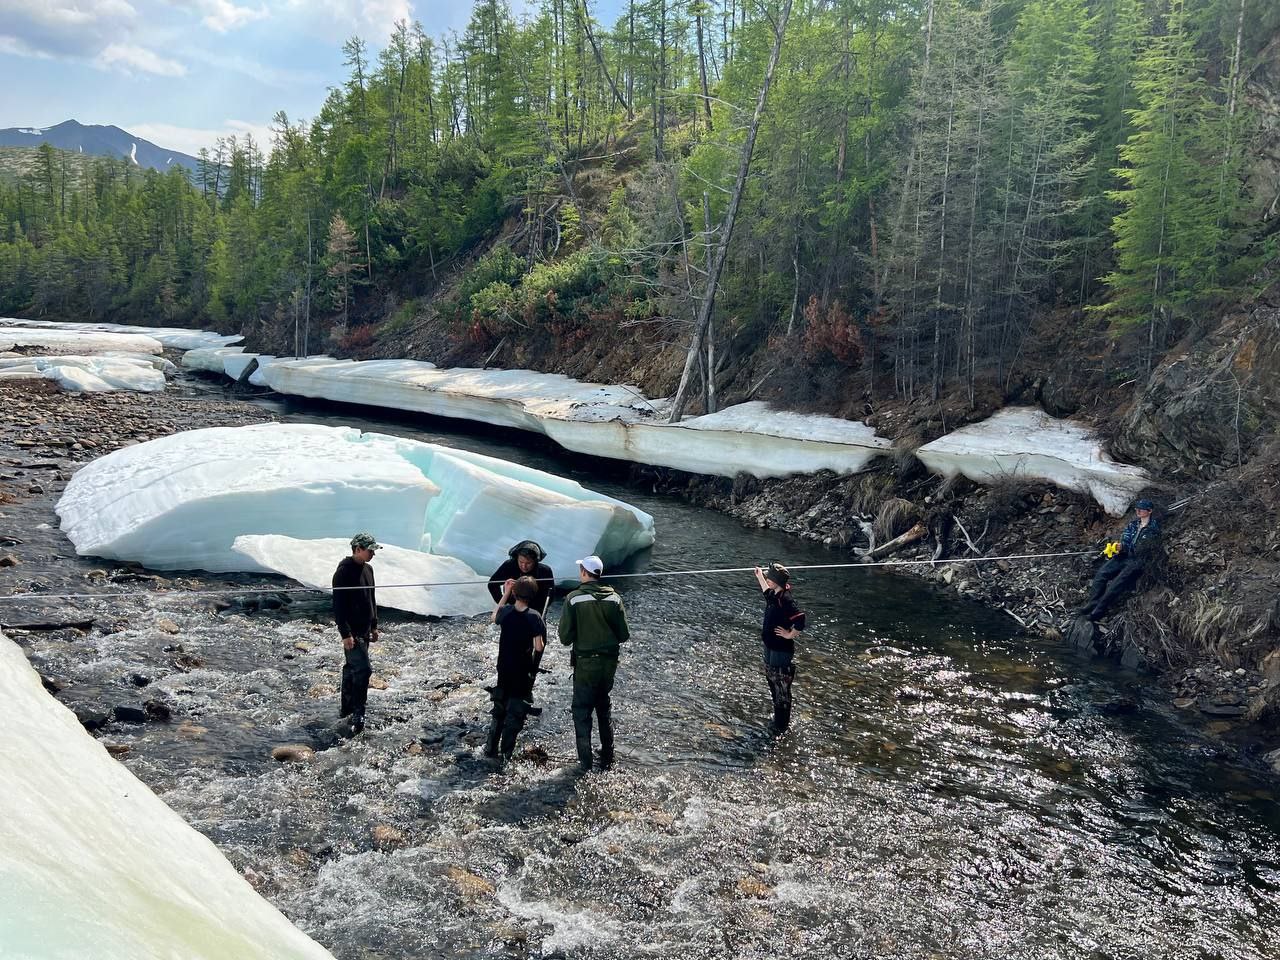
[[9, 560], [292, 753], [167, 625], [129, 714]]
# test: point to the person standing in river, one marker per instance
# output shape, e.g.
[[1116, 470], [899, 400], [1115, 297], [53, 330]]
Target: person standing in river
[[783, 622], [525, 560], [356, 611], [594, 624], [523, 638]]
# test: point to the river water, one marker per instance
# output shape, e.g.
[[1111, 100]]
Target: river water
[[949, 789]]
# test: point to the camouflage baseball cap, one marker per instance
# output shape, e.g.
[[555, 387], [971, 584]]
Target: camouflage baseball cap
[[364, 541]]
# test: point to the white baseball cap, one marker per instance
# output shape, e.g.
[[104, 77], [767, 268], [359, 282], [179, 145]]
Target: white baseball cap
[[592, 564]]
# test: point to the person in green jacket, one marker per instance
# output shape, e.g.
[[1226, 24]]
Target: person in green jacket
[[594, 624]]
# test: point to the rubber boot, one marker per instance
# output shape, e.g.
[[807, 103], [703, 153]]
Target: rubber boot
[[495, 732]]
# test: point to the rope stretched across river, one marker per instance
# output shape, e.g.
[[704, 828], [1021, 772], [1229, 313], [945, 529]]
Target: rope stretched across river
[[17, 597]]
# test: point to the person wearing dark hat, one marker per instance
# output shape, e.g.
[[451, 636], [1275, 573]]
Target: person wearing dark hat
[[594, 624], [524, 560], [783, 622], [356, 612], [1126, 560]]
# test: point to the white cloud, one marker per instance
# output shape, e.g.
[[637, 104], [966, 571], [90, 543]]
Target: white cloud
[[223, 15], [131, 59], [375, 17], [64, 28], [190, 139]]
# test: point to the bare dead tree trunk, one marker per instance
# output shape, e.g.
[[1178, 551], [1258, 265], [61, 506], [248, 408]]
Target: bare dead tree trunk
[[726, 229], [584, 16], [702, 71]]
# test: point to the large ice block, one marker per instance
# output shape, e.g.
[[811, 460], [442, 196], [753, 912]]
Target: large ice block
[[179, 502], [94, 865], [1025, 443], [75, 343], [312, 562]]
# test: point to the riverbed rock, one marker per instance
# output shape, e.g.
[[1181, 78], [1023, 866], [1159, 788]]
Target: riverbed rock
[[117, 749], [292, 753], [9, 560], [125, 713], [1272, 759], [90, 717], [753, 888], [167, 625], [319, 691], [157, 710], [470, 886], [385, 835]]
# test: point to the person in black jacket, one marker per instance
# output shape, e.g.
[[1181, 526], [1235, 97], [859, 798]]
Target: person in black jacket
[[783, 621], [524, 560], [522, 638], [356, 611], [1135, 549]]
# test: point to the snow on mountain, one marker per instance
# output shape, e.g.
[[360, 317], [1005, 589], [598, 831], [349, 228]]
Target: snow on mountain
[[97, 140]]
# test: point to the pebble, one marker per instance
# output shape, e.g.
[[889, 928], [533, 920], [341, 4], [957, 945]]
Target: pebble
[[292, 752], [385, 835], [9, 560], [167, 625], [117, 749]]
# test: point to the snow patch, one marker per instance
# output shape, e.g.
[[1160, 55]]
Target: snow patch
[[133, 154], [312, 562], [1025, 443], [179, 502], [76, 343], [93, 864], [177, 338]]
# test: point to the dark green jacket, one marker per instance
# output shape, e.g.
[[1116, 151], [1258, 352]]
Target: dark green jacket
[[593, 622]]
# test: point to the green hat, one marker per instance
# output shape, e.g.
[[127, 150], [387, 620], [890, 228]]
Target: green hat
[[364, 541]]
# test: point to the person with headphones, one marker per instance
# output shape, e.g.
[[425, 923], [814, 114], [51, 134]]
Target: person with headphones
[[524, 560]]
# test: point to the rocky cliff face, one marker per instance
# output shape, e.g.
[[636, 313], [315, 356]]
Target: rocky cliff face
[[1262, 100]]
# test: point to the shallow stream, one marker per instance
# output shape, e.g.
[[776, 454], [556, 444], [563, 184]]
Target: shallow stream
[[949, 788]]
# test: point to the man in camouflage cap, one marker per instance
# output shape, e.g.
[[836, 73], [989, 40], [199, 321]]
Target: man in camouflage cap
[[356, 612]]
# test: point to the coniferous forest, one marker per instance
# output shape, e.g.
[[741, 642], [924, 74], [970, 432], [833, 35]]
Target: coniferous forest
[[905, 187]]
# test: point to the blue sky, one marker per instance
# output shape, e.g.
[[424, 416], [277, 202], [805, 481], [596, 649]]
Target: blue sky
[[182, 72]]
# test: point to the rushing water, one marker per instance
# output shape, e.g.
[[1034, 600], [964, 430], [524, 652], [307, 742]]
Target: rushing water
[[949, 789]]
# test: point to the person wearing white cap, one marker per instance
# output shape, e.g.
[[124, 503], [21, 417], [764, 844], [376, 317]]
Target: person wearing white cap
[[594, 624]]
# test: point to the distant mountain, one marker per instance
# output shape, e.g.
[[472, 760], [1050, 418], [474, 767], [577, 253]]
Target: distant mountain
[[98, 141]]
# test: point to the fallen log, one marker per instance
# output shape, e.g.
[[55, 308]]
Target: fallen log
[[914, 535]]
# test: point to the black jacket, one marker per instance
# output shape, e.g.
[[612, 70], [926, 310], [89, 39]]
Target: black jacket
[[511, 571], [355, 610]]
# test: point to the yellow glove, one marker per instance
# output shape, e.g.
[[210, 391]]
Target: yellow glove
[[1111, 549]]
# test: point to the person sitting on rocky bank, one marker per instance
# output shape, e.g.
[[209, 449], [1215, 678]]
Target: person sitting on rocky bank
[[1127, 559]]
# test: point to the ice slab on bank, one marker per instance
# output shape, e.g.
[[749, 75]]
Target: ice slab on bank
[[94, 865], [179, 502], [1025, 443], [209, 359], [605, 421], [77, 342], [312, 562], [177, 338], [98, 374]]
